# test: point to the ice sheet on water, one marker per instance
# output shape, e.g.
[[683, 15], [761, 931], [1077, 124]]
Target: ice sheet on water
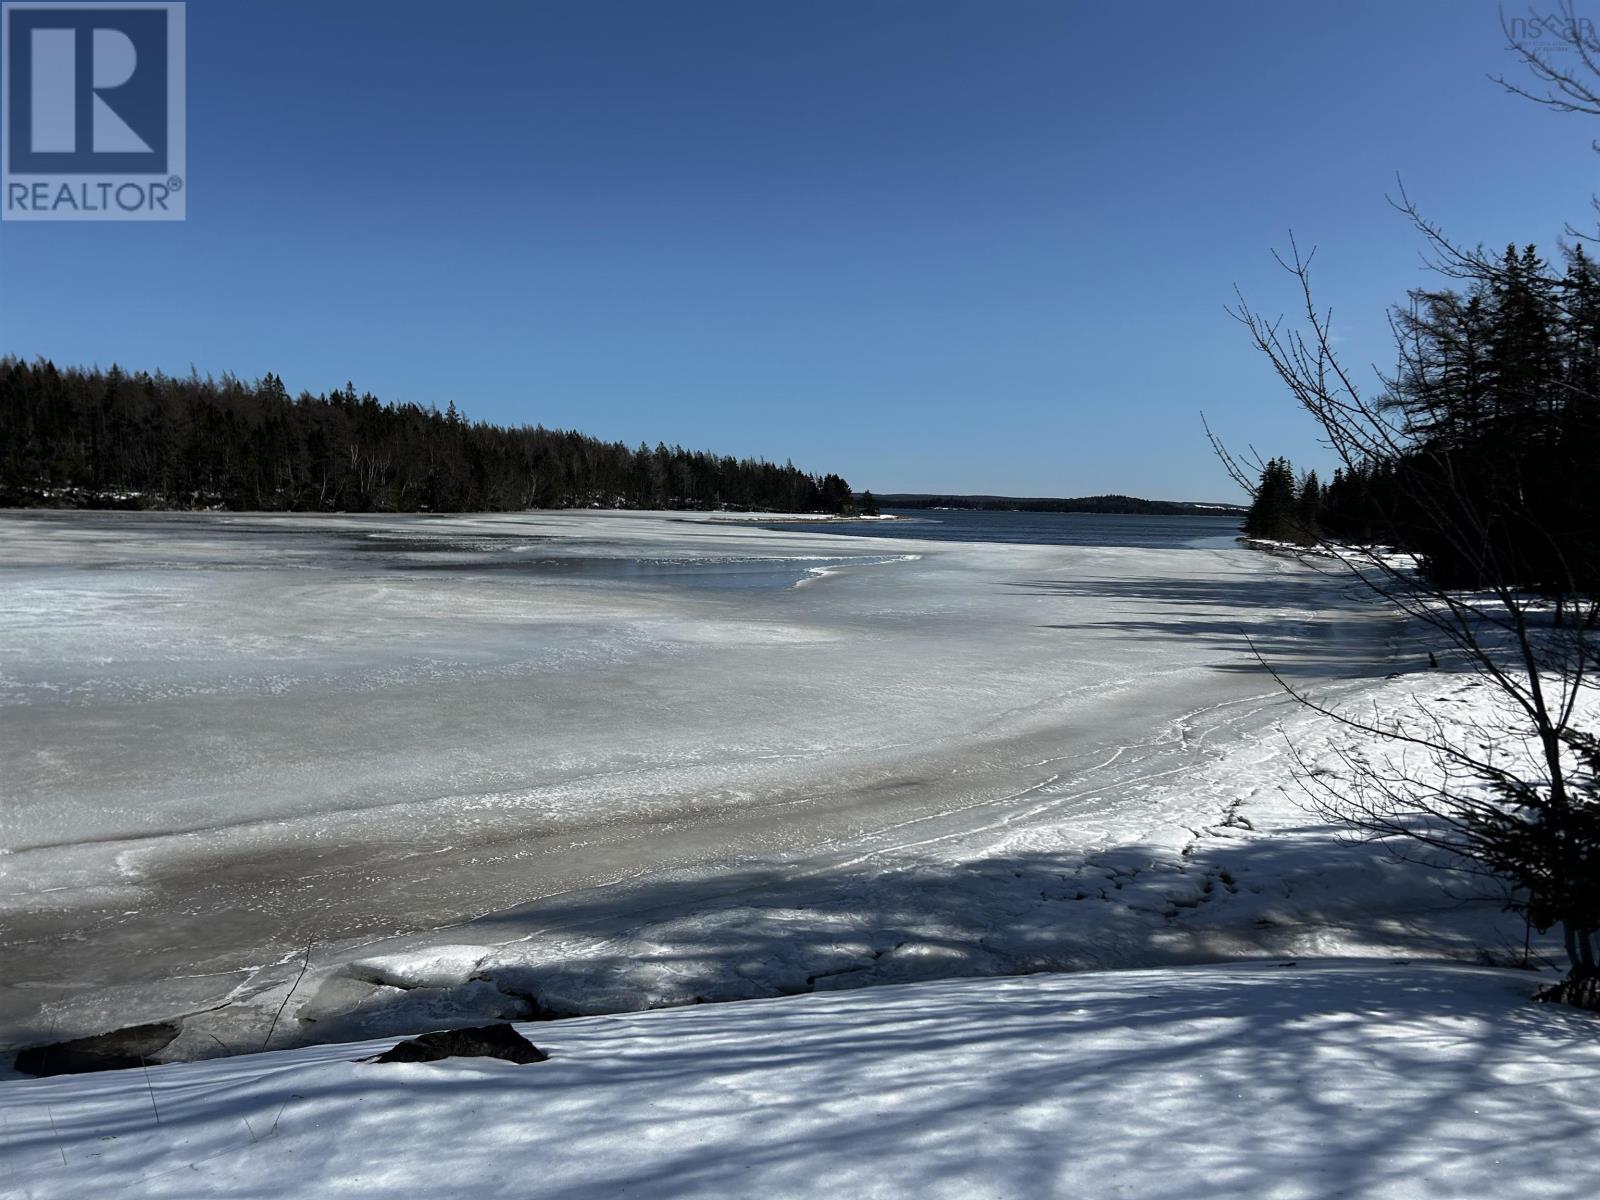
[[300, 737]]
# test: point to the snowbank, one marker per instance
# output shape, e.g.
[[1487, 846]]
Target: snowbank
[[1273, 1082]]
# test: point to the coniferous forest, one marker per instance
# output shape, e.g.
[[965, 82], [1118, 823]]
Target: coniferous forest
[[109, 439], [1496, 397]]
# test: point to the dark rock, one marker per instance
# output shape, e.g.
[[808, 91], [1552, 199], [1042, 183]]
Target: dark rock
[[485, 1041], [114, 1051]]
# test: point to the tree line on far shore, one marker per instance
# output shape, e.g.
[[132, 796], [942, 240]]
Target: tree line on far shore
[[92, 438]]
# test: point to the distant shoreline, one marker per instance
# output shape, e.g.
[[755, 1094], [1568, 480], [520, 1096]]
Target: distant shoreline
[[1108, 505], [732, 518]]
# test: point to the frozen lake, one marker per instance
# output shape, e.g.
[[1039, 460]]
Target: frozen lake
[[223, 737]]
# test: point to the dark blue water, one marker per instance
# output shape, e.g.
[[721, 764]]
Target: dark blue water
[[1046, 529]]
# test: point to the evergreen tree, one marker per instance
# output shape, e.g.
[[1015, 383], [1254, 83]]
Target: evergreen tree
[[1308, 509], [1498, 391], [1274, 509]]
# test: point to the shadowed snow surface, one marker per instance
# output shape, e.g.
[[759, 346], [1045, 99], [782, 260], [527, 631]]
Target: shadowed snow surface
[[1269, 1082]]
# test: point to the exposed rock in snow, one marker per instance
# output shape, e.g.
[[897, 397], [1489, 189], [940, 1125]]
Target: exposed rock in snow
[[481, 1041]]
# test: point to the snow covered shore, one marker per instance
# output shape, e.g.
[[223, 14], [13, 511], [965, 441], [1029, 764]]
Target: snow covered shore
[[1273, 1082]]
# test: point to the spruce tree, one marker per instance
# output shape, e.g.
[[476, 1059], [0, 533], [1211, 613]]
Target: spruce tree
[[1273, 510], [1308, 509]]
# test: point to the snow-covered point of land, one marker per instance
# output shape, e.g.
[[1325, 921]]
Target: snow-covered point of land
[[1284, 1081], [1372, 560]]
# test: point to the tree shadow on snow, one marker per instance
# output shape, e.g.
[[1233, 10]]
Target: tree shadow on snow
[[1299, 625], [1220, 1082]]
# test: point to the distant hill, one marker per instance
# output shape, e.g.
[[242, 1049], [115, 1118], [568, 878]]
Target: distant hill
[[1083, 504]]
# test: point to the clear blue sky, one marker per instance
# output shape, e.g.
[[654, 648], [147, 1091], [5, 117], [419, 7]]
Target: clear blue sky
[[976, 247]]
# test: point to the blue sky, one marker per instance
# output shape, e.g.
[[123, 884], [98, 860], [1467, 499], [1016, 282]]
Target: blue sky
[[971, 247]]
